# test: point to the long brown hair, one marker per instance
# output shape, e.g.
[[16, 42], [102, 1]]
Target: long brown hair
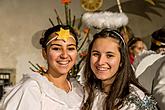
[[120, 86]]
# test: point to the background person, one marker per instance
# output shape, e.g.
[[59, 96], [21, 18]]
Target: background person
[[135, 47], [150, 67]]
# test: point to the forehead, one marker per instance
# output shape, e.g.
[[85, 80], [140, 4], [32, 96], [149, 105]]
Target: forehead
[[106, 41], [139, 43], [105, 44], [70, 40]]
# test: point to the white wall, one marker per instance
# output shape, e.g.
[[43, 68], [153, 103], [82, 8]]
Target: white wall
[[22, 20]]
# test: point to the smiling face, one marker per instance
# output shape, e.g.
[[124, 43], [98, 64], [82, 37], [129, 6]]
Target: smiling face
[[105, 59], [61, 56]]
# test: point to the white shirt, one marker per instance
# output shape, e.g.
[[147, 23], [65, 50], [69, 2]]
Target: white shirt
[[136, 100], [35, 92]]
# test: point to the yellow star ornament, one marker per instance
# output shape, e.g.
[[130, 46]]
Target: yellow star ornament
[[63, 34]]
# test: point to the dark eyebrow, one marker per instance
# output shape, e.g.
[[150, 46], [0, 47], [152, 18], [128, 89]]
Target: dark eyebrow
[[109, 52], [61, 45], [55, 44], [72, 45], [99, 52], [95, 51]]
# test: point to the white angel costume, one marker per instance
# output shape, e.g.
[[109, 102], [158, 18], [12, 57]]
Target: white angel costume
[[35, 92], [136, 100]]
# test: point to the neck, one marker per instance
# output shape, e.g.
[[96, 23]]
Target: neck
[[106, 85], [106, 88], [60, 82]]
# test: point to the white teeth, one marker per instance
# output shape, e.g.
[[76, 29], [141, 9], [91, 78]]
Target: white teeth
[[102, 68], [63, 62]]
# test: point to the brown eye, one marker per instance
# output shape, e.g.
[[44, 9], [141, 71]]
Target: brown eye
[[109, 55], [71, 48], [95, 54], [56, 48]]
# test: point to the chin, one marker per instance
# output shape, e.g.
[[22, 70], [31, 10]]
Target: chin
[[101, 78], [64, 72]]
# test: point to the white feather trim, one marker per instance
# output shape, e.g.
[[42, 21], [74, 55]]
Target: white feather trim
[[105, 19]]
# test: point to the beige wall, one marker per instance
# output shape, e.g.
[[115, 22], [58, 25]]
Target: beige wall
[[22, 20]]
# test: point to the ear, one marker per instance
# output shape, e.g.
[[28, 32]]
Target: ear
[[44, 54]]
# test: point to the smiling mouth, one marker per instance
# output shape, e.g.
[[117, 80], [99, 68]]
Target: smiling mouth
[[102, 68], [63, 62]]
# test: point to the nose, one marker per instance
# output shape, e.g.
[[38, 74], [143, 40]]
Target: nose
[[64, 53], [101, 60]]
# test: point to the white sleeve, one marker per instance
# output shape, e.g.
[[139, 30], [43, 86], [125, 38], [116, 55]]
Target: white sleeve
[[26, 96], [158, 89]]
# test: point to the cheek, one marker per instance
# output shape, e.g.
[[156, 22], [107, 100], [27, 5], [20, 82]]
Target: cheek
[[137, 50], [73, 55], [114, 63], [51, 55], [93, 60]]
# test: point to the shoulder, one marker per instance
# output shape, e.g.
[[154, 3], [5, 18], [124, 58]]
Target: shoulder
[[139, 100], [136, 91], [26, 84], [147, 61], [76, 86], [75, 82], [33, 80], [22, 92], [77, 90]]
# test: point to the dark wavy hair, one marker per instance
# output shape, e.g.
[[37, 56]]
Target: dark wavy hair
[[48, 32], [133, 41], [120, 86]]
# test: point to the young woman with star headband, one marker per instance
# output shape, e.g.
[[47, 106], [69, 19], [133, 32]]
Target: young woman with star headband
[[54, 90]]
